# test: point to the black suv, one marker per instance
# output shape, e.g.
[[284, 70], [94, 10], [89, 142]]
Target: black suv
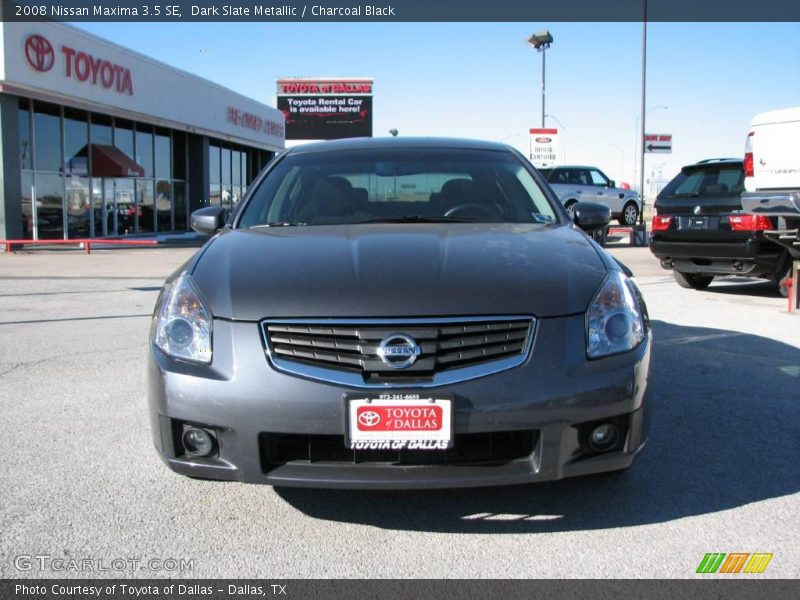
[[700, 231]]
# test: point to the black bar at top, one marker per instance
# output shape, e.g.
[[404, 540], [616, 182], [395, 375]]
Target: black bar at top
[[534, 11]]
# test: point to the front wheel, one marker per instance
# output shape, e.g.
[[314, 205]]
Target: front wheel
[[692, 281], [630, 214]]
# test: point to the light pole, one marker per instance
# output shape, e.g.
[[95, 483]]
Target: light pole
[[636, 153], [541, 41], [622, 165], [564, 141]]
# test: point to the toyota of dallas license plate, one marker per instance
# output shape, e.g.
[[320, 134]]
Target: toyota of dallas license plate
[[398, 422]]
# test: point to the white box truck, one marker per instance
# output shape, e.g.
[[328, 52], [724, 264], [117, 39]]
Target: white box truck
[[772, 178]]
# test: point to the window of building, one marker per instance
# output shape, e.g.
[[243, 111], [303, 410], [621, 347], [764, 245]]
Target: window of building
[[179, 155], [162, 154], [49, 205], [25, 148], [76, 143], [145, 206], [123, 137], [47, 130], [101, 130], [27, 205], [214, 176], [181, 207], [144, 149]]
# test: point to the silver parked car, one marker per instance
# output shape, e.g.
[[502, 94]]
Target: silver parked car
[[399, 313], [574, 184]]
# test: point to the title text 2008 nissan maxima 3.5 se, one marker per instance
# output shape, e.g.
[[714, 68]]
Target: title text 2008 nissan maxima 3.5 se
[[399, 313]]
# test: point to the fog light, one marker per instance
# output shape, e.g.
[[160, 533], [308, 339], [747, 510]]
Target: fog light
[[197, 442], [603, 437]]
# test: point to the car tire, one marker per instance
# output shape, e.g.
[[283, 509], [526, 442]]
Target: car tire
[[692, 281], [630, 215]]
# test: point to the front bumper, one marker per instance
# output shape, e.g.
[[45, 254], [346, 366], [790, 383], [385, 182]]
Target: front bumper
[[553, 393]]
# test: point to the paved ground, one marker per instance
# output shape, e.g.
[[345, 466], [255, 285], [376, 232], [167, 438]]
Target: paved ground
[[79, 477]]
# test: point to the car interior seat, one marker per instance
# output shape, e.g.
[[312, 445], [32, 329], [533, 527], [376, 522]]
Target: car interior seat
[[333, 200]]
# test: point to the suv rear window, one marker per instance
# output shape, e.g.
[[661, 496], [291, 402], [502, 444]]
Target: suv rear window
[[710, 180]]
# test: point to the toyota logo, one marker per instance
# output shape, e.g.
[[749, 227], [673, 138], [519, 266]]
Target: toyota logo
[[369, 418], [39, 53], [398, 351]]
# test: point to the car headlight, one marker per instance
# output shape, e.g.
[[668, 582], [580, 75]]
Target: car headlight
[[614, 321], [182, 324]]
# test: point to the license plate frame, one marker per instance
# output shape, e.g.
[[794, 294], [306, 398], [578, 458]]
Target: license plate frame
[[383, 436], [698, 223]]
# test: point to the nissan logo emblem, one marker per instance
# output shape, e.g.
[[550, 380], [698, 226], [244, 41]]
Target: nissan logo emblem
[[398, 351], [40, 53], [369, 418]]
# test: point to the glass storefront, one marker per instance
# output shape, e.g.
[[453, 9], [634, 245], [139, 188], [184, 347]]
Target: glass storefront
[[87, 174], [228, 174], [90, 175]]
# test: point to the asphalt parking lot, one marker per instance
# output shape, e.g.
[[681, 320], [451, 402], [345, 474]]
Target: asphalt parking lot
[[80, 479]]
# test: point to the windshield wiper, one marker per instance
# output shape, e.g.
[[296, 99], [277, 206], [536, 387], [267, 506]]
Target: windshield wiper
[[414, 219], [279, 224]]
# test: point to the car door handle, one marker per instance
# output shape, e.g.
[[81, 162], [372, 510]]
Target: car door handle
[[599, 193]]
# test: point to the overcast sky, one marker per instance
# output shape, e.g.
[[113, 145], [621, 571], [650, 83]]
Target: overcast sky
[[481, 80]]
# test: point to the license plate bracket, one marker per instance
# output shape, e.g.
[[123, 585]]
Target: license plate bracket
[[698, 222], [398, 421]]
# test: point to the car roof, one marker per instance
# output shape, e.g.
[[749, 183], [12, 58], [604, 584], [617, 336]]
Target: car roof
[[398, 142], [715, 161]]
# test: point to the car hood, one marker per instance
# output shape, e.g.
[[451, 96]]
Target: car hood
[[399, 270]]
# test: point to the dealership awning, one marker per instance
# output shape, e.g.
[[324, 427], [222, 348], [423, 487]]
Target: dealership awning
[[108, 161]]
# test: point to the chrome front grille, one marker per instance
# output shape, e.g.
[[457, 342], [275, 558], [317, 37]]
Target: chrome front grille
[[349, 351]]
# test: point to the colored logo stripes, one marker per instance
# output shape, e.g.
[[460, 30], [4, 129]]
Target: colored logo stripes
[[735, 562]]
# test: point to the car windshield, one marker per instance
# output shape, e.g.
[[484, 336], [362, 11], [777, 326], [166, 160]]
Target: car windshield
[[397, 185]]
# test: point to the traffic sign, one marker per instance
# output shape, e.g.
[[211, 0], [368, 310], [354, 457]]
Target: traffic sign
[[658, 143]]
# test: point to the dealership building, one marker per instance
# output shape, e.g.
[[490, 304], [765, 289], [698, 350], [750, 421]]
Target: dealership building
[[100, 141]]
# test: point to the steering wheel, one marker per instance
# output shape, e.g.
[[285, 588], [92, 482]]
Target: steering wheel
[[470, 208]]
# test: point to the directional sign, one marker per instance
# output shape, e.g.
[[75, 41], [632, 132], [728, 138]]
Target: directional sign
[[658, 143]]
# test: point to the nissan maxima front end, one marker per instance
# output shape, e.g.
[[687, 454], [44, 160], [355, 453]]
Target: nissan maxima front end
[[399, 313]]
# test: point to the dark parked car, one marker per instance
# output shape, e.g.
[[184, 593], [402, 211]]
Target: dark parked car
[[399, 313], [700, 231]]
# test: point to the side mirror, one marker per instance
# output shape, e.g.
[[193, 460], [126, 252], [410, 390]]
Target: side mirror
[[612, 183], [591, 215], [208, 220]]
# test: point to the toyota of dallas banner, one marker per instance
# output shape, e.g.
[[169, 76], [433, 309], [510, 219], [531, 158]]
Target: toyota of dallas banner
[[543, 147], [326, 109]]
